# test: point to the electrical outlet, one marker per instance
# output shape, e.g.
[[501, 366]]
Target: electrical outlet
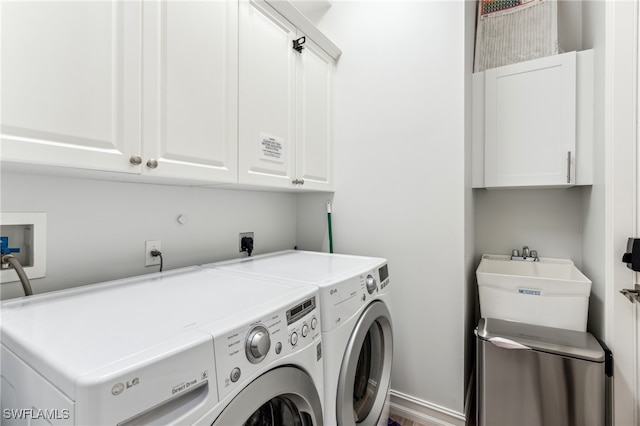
[[242, 235], [148, 247]]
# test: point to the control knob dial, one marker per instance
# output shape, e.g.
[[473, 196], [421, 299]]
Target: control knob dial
[[371, 283], [258, 344]]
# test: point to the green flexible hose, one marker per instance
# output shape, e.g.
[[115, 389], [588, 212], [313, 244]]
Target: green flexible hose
[[330, 233], [329, 226]]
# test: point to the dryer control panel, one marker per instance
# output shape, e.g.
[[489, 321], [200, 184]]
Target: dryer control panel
[[346, 297], [245, 352]]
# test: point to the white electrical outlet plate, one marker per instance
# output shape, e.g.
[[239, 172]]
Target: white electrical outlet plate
[[148, 246]]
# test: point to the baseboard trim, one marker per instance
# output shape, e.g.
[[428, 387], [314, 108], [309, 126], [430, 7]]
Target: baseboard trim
[[423, 412]]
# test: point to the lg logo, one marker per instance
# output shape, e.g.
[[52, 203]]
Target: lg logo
[[118, 388]]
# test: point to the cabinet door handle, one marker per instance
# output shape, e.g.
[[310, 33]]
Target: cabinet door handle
[[152, 164], [136, 160], [568, 166]]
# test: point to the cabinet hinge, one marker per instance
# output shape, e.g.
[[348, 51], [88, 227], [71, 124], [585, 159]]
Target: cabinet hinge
[[298, 44]]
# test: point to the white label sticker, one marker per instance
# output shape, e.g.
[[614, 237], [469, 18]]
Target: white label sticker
[[529, 291], [272, 148]]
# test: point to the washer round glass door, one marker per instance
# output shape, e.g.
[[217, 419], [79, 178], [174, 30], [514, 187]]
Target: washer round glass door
[[285, 396], [279, 411], [365, 374]]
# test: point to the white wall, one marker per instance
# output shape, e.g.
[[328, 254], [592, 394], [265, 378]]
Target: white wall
[[594, 200], [569, 25], [547, 220], [400, 178], [470, 293], [622, 206], [97, 229]]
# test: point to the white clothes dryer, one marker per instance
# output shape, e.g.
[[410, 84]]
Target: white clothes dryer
[[356, 326], [190, 346]]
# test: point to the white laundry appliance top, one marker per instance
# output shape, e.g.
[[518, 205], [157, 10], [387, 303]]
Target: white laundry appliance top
[[98, 330], [321, 269]]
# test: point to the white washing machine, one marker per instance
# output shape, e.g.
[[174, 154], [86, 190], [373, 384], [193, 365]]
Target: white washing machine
[[356, 326], [190, 346]]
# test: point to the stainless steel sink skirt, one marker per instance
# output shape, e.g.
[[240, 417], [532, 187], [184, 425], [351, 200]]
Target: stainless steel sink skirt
[[538, 376]]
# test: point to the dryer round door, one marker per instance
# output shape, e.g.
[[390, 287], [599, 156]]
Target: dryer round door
[[365, 373], [285, 396]]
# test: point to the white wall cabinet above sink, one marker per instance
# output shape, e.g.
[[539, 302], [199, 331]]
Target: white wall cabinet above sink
[[533, 123]]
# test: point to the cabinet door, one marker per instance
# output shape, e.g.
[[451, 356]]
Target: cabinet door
[[190, 90], [267, 97], [530, 122], [314, 162], [71, 83]]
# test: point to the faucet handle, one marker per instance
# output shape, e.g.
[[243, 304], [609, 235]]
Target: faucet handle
[[534, 254], [515, 253]]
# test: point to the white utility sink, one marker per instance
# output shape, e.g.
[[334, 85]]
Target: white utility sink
[[549, 292], [496, 270]]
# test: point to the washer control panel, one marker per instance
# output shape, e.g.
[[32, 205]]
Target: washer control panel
[[242, 353], [258, 344]]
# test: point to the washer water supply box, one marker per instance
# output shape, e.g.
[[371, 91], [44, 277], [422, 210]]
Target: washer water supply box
[[548, 292]]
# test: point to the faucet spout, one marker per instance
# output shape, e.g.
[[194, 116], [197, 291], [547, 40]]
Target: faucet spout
[[527, 255]]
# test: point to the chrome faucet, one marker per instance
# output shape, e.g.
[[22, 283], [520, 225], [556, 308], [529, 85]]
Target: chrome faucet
[[527, 255]]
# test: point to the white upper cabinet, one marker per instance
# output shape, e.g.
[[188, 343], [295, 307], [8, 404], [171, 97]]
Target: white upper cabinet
[[314, 154], [533, 126], [75, 95], [190, 90], [267, 97], [285, 104], [71, 83], [530, 121], [198, 92]]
